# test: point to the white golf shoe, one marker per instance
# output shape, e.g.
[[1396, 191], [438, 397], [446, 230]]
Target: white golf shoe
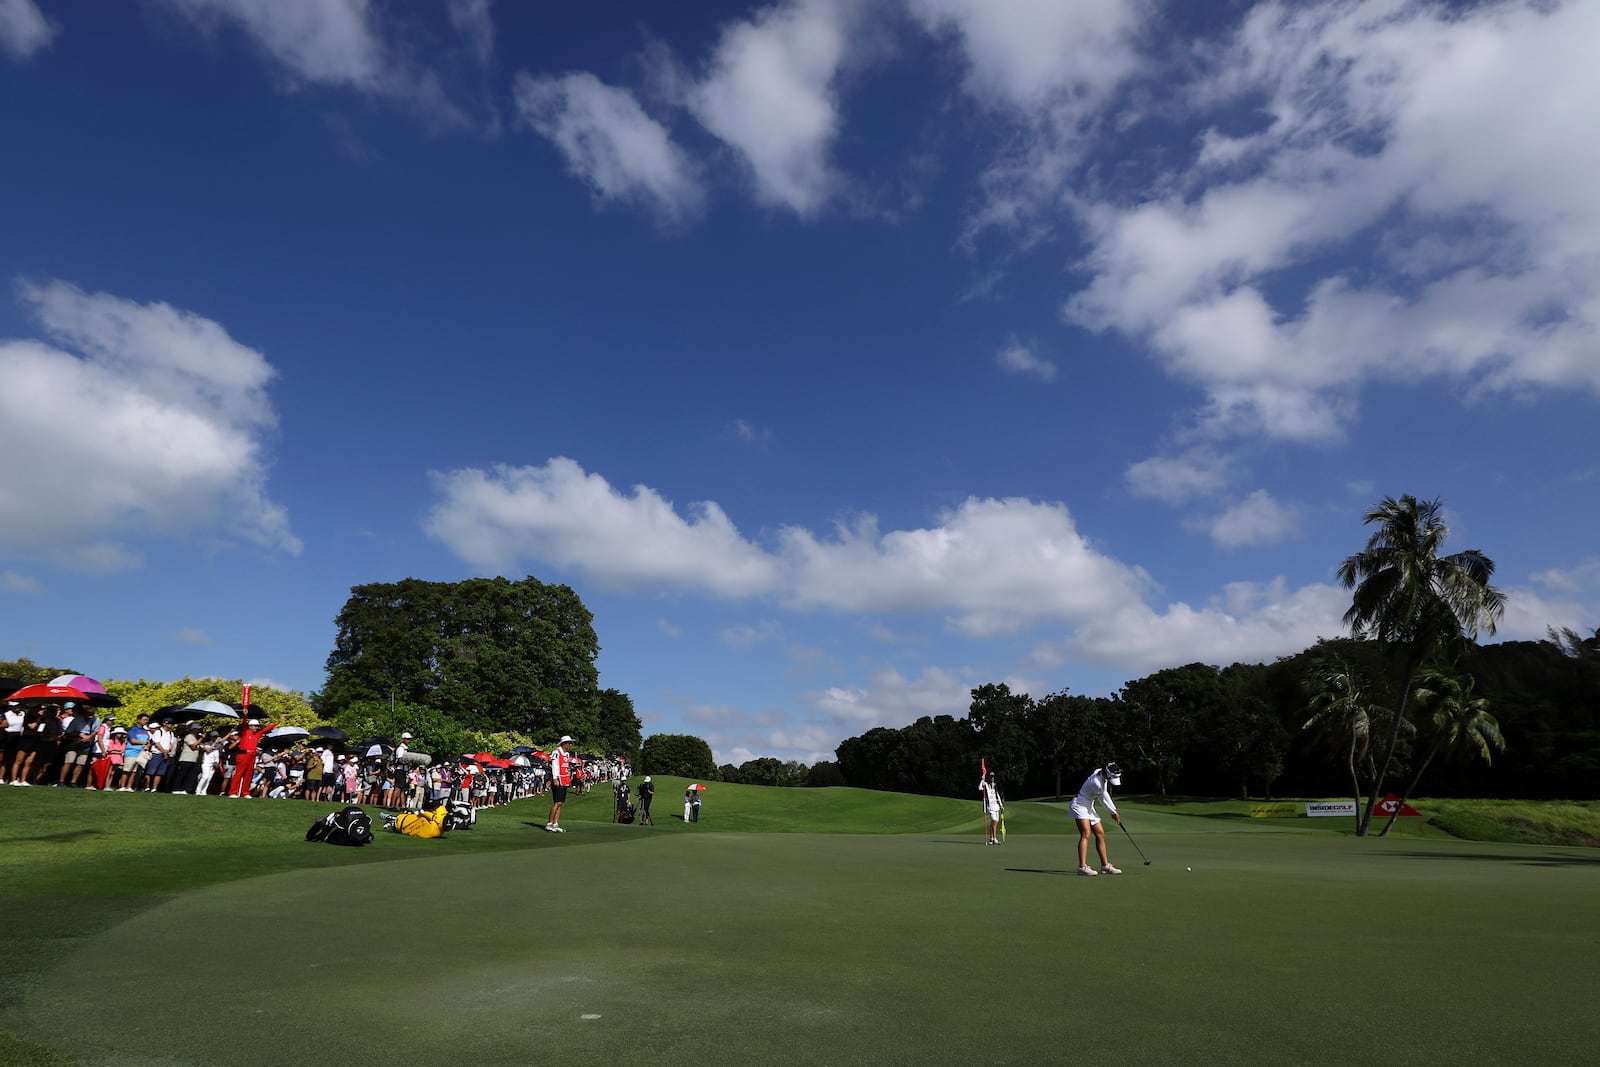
[[1088, 872], [1108, 869]]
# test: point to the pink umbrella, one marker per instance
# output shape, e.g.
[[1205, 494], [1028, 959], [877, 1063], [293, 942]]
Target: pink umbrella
[[80, 682], [94, 694]]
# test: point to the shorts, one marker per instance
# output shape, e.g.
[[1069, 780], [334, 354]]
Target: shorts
[[558, 793], [156, 765], [992, 813], [77, 757]]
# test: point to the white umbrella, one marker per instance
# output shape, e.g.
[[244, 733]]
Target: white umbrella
[[212, 707]]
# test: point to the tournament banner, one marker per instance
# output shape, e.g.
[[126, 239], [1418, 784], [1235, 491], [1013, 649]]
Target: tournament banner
[[1335, 807], [1273, 811]]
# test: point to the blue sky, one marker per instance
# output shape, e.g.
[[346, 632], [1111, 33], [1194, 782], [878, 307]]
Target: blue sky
[[842, 354]]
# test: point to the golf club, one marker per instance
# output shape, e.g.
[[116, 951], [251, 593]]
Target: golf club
[[1135, 844]]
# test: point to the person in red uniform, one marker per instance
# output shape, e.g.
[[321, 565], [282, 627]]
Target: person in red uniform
[[560, 778], [244, 767]]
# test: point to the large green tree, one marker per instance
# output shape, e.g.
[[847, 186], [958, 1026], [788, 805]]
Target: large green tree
[[684, 755], [490, 653], [1161, 712], [620, 732], [1002, 720], [1415, 600]]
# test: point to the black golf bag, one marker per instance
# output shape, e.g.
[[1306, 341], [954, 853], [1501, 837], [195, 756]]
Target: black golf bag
[[461, 815], [347, 826]]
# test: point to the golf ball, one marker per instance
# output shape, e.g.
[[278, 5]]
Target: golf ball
[[1188, 868]]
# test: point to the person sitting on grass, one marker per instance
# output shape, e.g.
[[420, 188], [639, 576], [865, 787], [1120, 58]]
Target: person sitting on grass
[[1096, 789]]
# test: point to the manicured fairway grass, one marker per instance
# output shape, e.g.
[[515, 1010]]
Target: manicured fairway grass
[[894, 938]]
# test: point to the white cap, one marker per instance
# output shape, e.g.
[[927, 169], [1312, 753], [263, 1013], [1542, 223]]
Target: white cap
[[404, 736], [255, 722], [564, 739], [647, 777]]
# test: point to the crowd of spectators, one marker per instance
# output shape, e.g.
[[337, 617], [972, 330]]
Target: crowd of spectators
[[67, 746]]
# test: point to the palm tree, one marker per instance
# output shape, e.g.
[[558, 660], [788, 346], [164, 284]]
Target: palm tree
[[1413, 599], [1457, 717], [1340, 709]]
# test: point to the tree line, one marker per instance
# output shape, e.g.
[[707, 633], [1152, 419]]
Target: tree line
[[1411, 692], [492, 663]]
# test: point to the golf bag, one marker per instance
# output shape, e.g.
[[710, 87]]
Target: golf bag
[[417, 823], [347, 826], [460, 815]]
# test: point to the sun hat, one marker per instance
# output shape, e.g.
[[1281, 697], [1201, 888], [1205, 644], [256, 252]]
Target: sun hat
[[564, 739]]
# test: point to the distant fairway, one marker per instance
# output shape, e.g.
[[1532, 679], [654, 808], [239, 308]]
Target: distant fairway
[[710, 944]]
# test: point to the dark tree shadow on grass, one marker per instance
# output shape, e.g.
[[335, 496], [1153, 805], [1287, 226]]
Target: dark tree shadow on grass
[[1043, 870], [1529, 861], [65, 835]]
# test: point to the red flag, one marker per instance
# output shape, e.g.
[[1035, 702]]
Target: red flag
[[983, 768], [1391, 802]]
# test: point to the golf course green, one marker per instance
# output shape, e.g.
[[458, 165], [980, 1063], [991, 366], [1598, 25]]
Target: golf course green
[[830, 926]]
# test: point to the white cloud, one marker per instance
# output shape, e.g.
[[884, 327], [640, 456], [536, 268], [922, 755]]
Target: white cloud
[[174, 445], [12, 582], [1045, 72], [1249, 623], [475, 23], [1175, 479], [1028, 53], [1467, 132], [562, 514], [258, 684], [1258, 519], [750, 433], [1528, 616], [332, 42], [891, 699], [1018, 358], [23, 28], [997, 565], [1570, 579], [610, 143], [668, 628], [335, 43], [747, 636], [770, 94], [193, 636]]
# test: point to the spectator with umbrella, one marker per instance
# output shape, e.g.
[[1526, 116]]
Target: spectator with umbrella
[[77, 743]]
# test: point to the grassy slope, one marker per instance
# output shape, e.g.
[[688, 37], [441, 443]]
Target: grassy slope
[[735, 932]]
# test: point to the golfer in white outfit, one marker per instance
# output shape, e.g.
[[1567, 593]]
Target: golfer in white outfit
[[992, 806], [1096, 789]]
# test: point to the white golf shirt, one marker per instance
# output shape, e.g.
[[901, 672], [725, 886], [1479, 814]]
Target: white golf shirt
[[1096, 788]]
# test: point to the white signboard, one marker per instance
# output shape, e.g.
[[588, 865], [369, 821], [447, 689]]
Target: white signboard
[[1337, 807]]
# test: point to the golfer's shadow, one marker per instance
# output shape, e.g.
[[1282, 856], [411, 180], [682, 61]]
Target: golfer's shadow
[[1042, 870]]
